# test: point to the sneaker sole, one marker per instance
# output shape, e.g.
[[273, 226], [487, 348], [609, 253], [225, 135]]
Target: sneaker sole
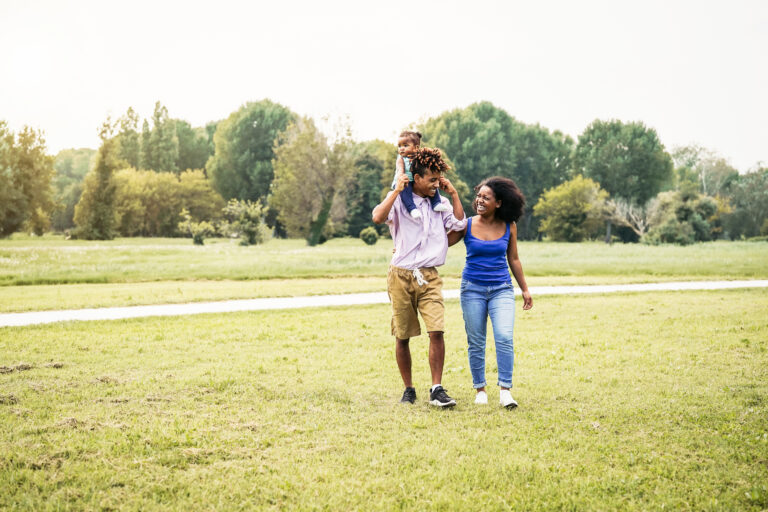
[[440, 404], [510, 406]]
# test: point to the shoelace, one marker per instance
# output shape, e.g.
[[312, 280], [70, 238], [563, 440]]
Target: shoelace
[[419, 277]]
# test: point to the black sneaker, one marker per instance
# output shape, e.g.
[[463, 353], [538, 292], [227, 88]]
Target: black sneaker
[[409, 396], [439, 398]]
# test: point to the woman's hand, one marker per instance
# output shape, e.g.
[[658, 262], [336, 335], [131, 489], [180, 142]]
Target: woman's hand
[[527, 300]]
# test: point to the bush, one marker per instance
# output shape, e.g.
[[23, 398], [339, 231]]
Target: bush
[[244, 218], [572, 211], [199, 231], [369, 235]]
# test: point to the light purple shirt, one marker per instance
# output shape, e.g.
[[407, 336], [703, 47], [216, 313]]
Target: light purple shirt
[[421, 242]]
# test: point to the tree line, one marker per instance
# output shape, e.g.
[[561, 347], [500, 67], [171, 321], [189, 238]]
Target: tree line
[[265, 167]]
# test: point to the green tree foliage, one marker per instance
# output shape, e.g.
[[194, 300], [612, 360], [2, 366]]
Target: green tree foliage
[[198, 196], [572, 211], [711, 172], [26, 172], [749, 203], [163, 141], [628, 160], [244, 221], [681, 217], [374, 163], [129, 151], [147, 157], [484, 140], [71, 166], [193, 146], [95, 212], [369, 235], [480, 140], [241, 166], [26, 195], [311, 179], [149, 203]]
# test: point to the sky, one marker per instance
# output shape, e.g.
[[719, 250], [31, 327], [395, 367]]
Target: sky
[[695, 71]]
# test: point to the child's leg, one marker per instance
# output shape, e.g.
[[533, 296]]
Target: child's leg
[[436, 202], [406, 196]]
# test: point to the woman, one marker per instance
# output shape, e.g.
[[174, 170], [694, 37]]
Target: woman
[[486, 285]]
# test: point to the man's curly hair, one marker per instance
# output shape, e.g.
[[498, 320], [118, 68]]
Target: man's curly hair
[[428, 159]]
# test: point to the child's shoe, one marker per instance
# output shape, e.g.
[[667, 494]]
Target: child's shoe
[[442, 208], [416, 214]]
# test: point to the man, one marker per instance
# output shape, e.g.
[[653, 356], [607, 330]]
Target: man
[[413, 283]]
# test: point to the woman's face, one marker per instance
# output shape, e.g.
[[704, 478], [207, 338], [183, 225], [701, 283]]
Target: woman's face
[[485, 201]]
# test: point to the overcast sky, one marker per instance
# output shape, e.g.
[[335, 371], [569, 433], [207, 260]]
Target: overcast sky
[[696, 71]]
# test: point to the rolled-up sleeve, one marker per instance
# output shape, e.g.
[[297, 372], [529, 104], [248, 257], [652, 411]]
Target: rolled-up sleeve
[[451, 223]]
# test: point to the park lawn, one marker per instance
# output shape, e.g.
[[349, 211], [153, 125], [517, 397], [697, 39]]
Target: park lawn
[[154, 271], [627, 401]]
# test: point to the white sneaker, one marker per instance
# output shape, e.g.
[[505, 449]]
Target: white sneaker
[[442, 208], [481, 398], [416, 214], [506, 400]]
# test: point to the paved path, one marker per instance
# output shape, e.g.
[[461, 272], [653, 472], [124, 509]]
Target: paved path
[[351, 299]]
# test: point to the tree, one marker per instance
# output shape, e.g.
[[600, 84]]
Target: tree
[[681, 217], [198, 196], [71, 166], [311, 181], [94, 213], [484, 140], [26, 172], [374, 169], [572, 211], [244, 220], [163, 141], [147, 157], [628, 160], [749, 202], [130, 142], [479, 139], [712, 173], [241, 166], [193, 146]]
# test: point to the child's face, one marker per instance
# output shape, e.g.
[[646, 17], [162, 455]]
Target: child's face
[[406, 146]]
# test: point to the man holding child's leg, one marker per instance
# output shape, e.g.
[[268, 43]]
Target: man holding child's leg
[[413, 284]]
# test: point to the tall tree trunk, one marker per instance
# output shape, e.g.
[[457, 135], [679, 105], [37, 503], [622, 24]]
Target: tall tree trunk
[[608, 227], [316, 227]]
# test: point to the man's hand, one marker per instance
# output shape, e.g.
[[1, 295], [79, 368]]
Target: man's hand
[[446, 185], [402, 181]]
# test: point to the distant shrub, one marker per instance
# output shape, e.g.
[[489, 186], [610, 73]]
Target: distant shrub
[[369, 235]]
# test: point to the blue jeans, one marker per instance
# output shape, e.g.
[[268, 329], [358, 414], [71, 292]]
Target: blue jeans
[[477, 304]]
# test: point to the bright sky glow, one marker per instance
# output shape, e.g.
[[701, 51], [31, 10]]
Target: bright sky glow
[[696, 71]]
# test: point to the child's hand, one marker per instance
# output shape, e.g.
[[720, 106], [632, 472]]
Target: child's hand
[[402, 181]]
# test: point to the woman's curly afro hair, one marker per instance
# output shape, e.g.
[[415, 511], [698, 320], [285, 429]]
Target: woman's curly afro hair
[[506, 191]]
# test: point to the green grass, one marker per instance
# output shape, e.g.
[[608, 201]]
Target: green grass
[[151, 271], [627, 401]]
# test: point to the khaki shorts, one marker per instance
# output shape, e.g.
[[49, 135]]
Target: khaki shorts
[[407, 297]]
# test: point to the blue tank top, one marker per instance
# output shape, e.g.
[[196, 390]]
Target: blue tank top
[[486, 259]]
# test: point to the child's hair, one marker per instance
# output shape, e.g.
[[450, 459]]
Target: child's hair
[[506, 191], [428, 159], [414, 136]]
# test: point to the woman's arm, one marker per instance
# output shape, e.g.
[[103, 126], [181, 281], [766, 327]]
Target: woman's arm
[[517, 267], [455, 236]]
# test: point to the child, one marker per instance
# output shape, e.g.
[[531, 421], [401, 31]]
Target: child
[[407, 145]]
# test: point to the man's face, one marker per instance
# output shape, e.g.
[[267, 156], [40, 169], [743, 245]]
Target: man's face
[[426, 186]]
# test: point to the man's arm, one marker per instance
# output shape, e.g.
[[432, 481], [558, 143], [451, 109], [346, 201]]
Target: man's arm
[[447, 186], [381, 212]]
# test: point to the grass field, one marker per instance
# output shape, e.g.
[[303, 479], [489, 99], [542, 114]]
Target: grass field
[[627, 402], [151, 271]]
